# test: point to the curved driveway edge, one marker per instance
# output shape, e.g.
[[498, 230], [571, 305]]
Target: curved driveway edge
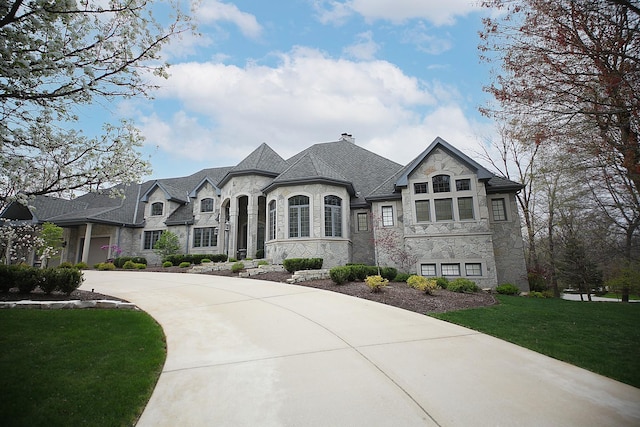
[[245, 352]]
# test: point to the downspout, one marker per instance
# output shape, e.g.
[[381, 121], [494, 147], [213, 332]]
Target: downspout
[[186, 249]]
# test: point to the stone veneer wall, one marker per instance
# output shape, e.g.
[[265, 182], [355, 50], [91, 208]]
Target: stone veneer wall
[[333, 252]]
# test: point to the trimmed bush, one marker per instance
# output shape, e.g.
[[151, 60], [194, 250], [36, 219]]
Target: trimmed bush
[[508, 289], [106, 266], [81, 265], [7, 277], [260, 253], [28, 278], [296, 264], [462, 285], [129, 265], [443, 282], [376, 283], [422, 284], [388, 273], [401, 277], [339, 275], [263, 262], [194, 258], [167, 264], [66, 264], [205, 261], [65, 280], [120, 261], [184, 264], [140, 266], [237, 267]]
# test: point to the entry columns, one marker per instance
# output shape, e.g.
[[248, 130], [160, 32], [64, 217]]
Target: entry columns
[[252, 226], [87, 243]]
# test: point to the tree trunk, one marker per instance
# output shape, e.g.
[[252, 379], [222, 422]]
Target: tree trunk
[[625, 294]]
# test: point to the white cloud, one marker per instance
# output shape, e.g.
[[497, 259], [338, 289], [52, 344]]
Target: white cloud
[[212, 11], [364, 48], [306, 98], [397, 11]]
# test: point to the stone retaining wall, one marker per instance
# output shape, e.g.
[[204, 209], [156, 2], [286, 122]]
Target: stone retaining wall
[[304, 275], [57, 305]]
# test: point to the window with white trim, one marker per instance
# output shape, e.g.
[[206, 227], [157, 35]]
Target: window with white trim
[[465, 208], [463, 184], [299, 216], [272, 220], [157, 208], [150, 238], [423, 213], [450, 269], [444, 209], [205, 237], [499, 209], [441, 183], [420, 187], [332, 216], [206, 205], [428, 270], [387, 216]]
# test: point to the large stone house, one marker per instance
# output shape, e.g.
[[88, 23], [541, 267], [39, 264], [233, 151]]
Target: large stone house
[[443, 214]]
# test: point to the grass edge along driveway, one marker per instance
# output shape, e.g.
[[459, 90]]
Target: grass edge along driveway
[[603, 337], [78, 367]]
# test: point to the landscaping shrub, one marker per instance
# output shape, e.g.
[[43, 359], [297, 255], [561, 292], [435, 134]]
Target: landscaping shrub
[[263, 262], [260, 253], [66, 264], [65, 280], [508, 289], [81, 265], [339, 275], [140, 266], [139, 260], [388, 273], [184, 264], [401, 277], [237, 267], [232, 259], [49, 282], [7, 274], [205, 261], [120, 261], [462, 285], [376, 283], [422, 284], [105, 266], [167, 264], [129, 265], [443, 282], [176, 259], [296, 264], [27, 278]]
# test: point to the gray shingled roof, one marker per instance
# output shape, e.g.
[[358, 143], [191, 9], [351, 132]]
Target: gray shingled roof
[[262, 161], [364, 169]]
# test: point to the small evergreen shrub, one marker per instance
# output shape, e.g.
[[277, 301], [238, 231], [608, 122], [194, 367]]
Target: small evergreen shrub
[[401, 277], [232, 259], [65, 280], [260, 253], [236, 267], [6, 277], [422, 284], [184, 264], [443, 282], [141, 266], [66, 264], [205, 261], [339, 275], [296, 264], [462, 285], [105, 266], [129, 265], [263, 262], [376, 283], [28, 278], [167, 264], [120, 261], [81, 266], [508, 289]]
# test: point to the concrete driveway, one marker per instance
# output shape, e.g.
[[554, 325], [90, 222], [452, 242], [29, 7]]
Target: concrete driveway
[[244, 352]]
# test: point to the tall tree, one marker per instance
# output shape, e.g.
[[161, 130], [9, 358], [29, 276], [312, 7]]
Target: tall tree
[[58, 56], [567, 64]]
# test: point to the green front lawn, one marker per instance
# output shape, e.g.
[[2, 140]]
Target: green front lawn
[[619, 296], [77, 367], [602, 337]]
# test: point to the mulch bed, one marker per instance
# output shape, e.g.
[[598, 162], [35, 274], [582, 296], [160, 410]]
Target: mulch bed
[[396, 294]]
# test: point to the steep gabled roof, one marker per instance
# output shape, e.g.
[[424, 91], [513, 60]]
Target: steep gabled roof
[[171, 192], [262, 161], [307, 169], [194, 193]]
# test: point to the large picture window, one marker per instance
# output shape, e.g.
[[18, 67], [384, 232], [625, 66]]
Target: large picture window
[[332, 216], [272, 220], [205, 237], [299, 216], [150, 238], [206, 205]]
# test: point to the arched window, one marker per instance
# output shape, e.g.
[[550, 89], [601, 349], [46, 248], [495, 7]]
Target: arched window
[[157, 208], [299, 216], [272, 220], [441, 184], [206, 205], [332, 216]]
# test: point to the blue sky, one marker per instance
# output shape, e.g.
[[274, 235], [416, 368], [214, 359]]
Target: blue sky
[[393, 73]]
